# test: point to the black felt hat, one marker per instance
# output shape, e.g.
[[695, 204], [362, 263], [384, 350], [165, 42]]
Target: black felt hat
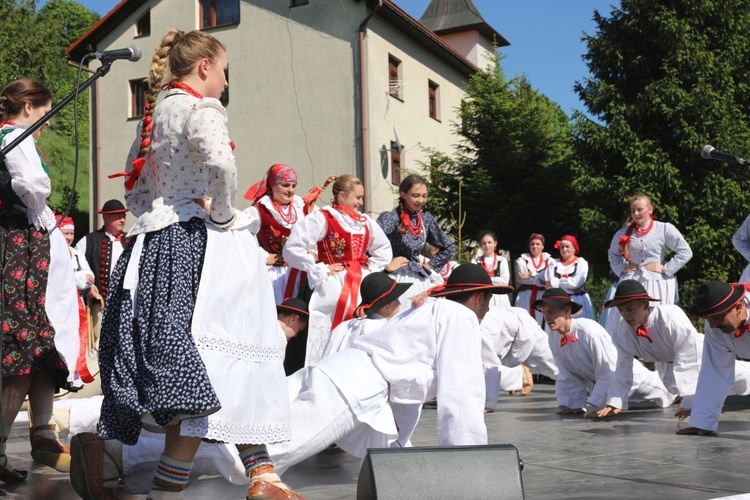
[[377, 290], [298, 306], [468, 278], [113, 207], [629, 290], [557, 297], [716, 297]]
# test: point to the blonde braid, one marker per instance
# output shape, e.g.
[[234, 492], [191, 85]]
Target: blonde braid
[[159, 64]]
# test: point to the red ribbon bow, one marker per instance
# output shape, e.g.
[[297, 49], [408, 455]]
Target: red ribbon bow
[[568, 337], [642, 331], [741, 331]]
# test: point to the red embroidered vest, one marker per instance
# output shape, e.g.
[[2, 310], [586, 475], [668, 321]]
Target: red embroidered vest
[[272, 235], [339, 245]]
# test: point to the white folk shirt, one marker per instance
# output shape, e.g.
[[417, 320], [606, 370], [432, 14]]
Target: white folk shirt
[[570, 277], [117, 249], [28, 178], [718, 374], [344, 334], [190, 158], [513, 332], [676, 349], [434, 351], [584, 365]]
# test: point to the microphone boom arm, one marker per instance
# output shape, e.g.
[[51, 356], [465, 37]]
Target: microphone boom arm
[[101, 71]]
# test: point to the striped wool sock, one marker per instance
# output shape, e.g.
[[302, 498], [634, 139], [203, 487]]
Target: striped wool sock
[[259, 466], [172, 473]]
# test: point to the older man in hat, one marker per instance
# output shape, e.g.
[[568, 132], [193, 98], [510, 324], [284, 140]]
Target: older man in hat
[[725, 308], [428, 351], [102, 248], [662, 334], [586, 358]]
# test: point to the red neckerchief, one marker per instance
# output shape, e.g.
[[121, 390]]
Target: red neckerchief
[[568, 337], [406, 220], [354, 214], [575, 258], [741, 331], [642, 331]]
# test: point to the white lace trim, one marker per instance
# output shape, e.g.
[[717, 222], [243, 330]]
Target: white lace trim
[[43, 220], [260, 353], [230, 432]]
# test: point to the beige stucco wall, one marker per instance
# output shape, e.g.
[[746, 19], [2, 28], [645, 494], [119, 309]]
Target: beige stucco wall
[[294, 94], [409, 118]]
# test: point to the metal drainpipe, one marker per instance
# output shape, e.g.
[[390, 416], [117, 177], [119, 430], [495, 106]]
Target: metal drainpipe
[[363, 100]]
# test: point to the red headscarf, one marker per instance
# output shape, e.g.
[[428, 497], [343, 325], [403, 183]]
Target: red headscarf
[[277, 174], [571, 239]]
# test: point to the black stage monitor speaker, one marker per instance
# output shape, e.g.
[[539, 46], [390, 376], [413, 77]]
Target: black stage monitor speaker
[[475, 472]]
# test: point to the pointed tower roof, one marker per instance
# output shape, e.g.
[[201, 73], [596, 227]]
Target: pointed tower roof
[[454, 16]]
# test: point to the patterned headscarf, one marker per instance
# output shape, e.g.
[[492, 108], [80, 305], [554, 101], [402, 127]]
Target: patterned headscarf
[[277, 174]]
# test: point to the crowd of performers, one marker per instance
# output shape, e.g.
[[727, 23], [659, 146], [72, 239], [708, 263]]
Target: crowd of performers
[[201, 299]]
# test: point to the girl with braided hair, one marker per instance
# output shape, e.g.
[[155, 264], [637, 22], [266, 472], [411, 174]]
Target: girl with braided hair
[[190, 343], [408, 229]]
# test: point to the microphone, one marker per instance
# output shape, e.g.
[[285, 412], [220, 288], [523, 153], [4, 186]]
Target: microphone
[[711, 153], [132, 53]]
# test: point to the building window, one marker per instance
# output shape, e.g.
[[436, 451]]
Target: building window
[[297, 3], [219, 13], [138, 97], [395, 82], [143, 24], [433, 92], [396, 158]]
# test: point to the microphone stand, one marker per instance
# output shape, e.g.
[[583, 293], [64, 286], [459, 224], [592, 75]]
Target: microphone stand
[[5, 179], [101, 71]]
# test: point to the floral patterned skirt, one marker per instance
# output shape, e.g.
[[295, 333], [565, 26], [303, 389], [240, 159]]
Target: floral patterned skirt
[[28, 338], [148, 360]]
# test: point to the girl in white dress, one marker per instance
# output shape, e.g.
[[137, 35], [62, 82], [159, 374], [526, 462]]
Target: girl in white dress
[[336, 246], [496, 266], [190, 343], [530, 268], [569, 272]]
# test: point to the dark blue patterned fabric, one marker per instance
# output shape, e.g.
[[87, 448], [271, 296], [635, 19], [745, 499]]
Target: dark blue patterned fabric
[[150, 363], [409, 246]]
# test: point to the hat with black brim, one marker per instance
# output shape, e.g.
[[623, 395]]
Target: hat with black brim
[[628, 291], [377, 290], [716, 297], [557, 297], [468, 278]]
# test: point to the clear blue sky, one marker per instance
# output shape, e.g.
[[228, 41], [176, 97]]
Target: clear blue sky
[[544, 35]]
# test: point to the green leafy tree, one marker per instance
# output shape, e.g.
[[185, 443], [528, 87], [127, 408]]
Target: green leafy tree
[[511, 162], [32, 44], [667, 77]]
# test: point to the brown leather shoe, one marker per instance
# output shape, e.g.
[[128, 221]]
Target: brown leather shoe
[[87, 467], [49, 452], [261, 490]]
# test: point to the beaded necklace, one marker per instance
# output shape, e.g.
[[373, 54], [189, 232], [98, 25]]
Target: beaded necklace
[[290, 217], [491, 269], [406, 219]]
